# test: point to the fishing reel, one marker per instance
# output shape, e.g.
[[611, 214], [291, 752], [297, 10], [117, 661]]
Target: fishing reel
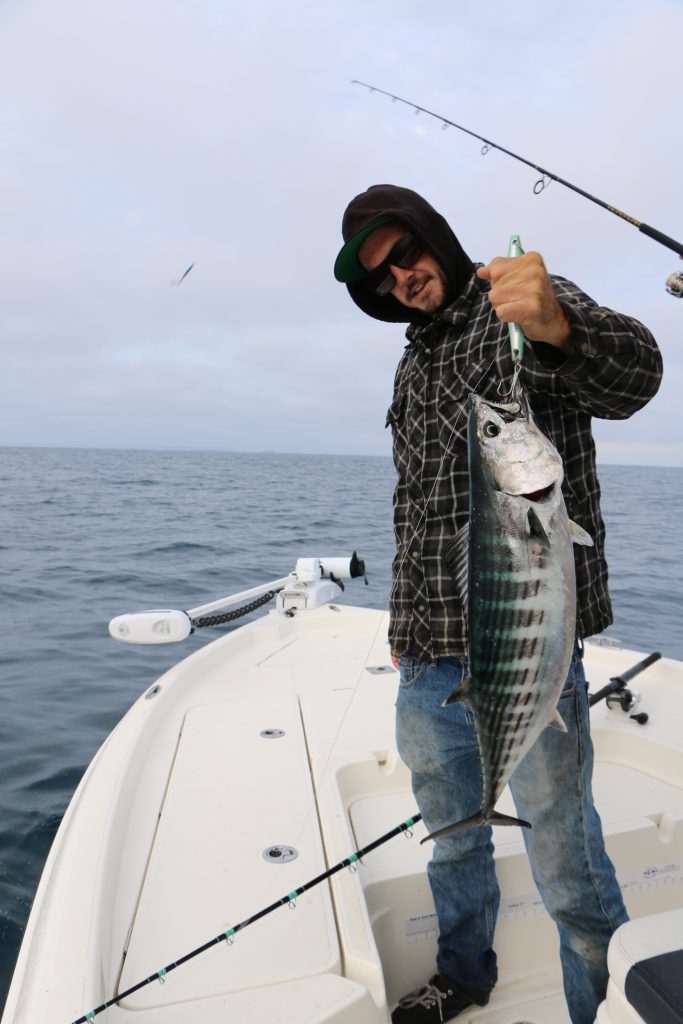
[[617, 695], [674, 284], [628, 701]]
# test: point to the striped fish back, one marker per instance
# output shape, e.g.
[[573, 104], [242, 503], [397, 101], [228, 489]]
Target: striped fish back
[[508, 639]]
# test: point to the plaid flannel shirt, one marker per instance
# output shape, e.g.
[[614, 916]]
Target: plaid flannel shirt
[[614, 370]]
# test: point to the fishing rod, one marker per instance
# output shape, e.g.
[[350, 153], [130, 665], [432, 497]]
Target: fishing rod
[[228, 936], [674, 284]]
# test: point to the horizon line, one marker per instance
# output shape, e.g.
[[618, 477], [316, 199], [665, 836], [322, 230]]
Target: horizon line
[[271, 451]]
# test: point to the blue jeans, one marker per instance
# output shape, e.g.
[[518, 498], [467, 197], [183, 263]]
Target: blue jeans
[[552, 789]]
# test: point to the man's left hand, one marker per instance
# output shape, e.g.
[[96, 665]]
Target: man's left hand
[[522, 293]]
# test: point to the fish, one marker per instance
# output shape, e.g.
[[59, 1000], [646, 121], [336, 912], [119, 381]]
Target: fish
[[514, 569]]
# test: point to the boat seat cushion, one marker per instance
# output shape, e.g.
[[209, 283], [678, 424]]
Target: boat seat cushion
[[646, 964], [654, 987]]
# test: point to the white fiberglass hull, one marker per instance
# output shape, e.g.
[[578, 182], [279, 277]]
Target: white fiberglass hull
[[279, 737]]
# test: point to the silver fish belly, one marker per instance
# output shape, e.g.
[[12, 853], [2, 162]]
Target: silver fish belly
[[515, 570]]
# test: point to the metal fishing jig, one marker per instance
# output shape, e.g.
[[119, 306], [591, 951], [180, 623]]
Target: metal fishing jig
[[516, 332]]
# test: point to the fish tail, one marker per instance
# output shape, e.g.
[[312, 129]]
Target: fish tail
[[461, 692], [480, 818]]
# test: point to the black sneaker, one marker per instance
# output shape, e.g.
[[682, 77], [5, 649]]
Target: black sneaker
[[439, 1000]]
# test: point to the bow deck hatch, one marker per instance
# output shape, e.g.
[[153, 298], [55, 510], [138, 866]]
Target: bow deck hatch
[[233, 793]]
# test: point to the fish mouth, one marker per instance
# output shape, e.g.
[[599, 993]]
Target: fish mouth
[[508, 411], [541, 495]]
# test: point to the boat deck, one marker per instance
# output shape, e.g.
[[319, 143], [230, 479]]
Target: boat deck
[[278, 740], [387, 924]]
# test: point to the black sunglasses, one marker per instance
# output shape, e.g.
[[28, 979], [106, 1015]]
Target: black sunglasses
[[404, 253]]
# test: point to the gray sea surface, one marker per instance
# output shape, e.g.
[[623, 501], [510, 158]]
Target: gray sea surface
[[87, 534]]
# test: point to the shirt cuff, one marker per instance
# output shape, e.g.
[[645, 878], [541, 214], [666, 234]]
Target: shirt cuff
[[585, 340]]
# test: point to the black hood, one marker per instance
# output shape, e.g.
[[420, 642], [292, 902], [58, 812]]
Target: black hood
[[382, 203]]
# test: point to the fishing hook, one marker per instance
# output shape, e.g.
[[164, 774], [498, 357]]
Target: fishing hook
[[514, 383]]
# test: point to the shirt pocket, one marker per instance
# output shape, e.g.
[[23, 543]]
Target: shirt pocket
[[397, 420], [452, 406]]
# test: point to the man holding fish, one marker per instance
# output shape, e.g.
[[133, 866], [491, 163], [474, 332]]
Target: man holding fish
[[499, 573]]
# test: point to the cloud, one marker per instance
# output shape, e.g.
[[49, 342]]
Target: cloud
[[139, 138]]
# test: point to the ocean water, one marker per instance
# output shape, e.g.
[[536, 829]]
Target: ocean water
[[88, 534]]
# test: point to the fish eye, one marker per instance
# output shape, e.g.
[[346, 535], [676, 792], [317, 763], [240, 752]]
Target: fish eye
[[491, 429]]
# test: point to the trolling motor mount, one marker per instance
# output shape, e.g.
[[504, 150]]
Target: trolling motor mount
[[315, 581]]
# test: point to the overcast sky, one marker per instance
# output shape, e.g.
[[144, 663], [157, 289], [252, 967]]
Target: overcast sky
[[140, 136]]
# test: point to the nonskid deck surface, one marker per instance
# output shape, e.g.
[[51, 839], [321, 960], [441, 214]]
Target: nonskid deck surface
[[230, 788]]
